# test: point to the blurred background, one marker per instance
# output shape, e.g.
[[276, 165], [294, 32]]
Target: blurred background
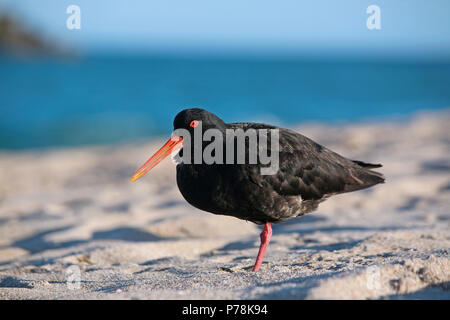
[[133, 65]]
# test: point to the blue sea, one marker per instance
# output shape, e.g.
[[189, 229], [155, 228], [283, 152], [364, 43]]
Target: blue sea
[[110, 99]]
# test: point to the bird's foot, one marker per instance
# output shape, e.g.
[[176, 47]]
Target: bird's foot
[[265, 236]]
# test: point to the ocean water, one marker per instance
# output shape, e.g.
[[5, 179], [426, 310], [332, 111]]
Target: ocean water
[[94, 100]]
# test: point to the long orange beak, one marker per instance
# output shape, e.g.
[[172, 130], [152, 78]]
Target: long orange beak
[[174, 143]]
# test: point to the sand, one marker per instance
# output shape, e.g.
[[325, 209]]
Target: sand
[[72, 226]]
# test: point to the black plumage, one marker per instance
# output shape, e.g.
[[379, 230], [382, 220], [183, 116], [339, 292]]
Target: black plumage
[[308, 174]]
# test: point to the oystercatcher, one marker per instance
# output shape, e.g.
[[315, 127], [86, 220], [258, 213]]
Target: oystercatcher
[[307, 174]]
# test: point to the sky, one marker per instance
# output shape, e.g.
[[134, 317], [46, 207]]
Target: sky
[[263, 26]]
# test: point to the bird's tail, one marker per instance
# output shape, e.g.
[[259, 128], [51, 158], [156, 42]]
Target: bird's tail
[[367, 165], [365, 177]]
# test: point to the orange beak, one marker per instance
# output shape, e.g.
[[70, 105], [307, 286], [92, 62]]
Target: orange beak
[[174, 143]]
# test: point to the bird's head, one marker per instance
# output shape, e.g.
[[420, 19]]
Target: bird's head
[[189, 119], [185, 122]]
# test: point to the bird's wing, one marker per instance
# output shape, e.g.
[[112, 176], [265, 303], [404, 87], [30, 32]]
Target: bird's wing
[[309, 169]]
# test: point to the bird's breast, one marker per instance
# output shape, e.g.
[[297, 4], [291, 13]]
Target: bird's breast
[[203, 187]]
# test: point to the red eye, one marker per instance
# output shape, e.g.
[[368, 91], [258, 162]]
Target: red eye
[[194, 123]]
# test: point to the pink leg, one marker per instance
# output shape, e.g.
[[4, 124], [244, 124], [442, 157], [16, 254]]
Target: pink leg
[[265, 238]]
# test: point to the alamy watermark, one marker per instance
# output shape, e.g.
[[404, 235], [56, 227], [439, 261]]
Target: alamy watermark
[[74, 20], [73, 277], [373, 278], [374, 20], [232, 146]]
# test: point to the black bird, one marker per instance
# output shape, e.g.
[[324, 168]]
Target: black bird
[[308, 174]]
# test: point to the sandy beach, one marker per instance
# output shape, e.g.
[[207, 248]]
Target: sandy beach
[[72, 226]]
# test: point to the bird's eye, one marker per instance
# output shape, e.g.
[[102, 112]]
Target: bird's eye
[[194, 123]]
